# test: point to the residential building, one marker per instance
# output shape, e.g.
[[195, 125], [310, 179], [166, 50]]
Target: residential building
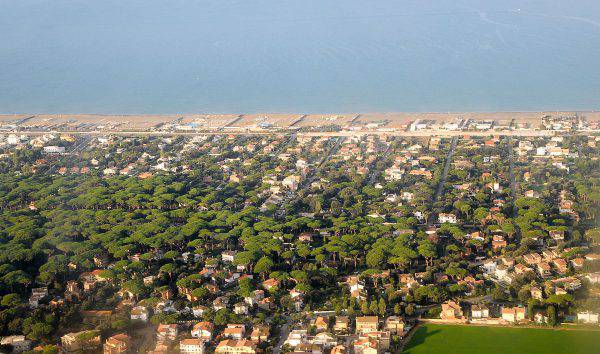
[[451, 310], [139, 313], [232, 346], [532, 258], [118, 344], [228, 256], [240, 308], [37, 294], [561, 265], [338, 349], [490, 267], [270, 284], [382, 338], [588, 317], [366, 324], [480, 311], [203, 331], [513, 314], [166, 332], [54, 150], [544, 269], [341, 324], [235, 331], [365, 346], [259, 333], [296, 337], [291, 182], [324, 340], [536, 293], [498, 242], [577, 262], [199, 310], [18, 343], [191, 346], [447, 218], [394, 325], [320, 323], [557, 235], [80, 341]]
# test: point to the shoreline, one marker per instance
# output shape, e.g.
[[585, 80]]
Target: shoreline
[[538, 123], [297, 113]]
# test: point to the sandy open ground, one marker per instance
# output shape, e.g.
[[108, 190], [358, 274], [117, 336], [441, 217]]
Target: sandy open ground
[[278, 120], [320, 120], [256, 122]]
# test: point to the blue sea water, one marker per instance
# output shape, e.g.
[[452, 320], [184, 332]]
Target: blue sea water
[[313, 56]]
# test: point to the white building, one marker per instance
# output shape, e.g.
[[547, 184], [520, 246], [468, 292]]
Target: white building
[[480, 311], [587, 317], [13, 139], [139, 313], [18, 343], [417, 125], [489, 267], [54, 150], [228, 256], [513, 314], [502, 273], [325, 340], [240, 308], [296, 337], [291, 182], [37, 294], [393, 174], [449, 218]]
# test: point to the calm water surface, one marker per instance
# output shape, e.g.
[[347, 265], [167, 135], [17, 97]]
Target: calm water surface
[[118, 56]]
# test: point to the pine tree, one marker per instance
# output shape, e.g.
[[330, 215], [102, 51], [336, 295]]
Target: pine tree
[[382, 307]]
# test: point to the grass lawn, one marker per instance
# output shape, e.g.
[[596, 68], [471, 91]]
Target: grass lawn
[[447, 339]]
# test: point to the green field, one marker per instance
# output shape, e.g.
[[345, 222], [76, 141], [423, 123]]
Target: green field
[[447, 339]]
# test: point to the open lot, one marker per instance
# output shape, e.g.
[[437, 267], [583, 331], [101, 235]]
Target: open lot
[[449, 339]]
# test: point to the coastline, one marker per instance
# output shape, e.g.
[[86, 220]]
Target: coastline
[[344, 124]]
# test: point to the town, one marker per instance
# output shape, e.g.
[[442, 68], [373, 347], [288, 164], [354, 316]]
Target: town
[[293, 234]]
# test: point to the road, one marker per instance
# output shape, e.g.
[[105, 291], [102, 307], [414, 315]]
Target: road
[[218, 131], [511, 176], [383, 157], [283, 334], [322, 162], [440, 187], [285, 145], [312, 176], [229, 124], [478, 299], [82, 144]]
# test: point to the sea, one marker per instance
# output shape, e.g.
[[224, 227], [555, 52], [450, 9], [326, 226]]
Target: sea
[[305, 56]]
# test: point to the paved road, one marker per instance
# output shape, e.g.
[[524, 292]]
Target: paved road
[[82, 144], [312, 176], [445, 133], [283, 334], [511, 176], [376, 171], [285, 145], [334, 149], [440, 187]]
